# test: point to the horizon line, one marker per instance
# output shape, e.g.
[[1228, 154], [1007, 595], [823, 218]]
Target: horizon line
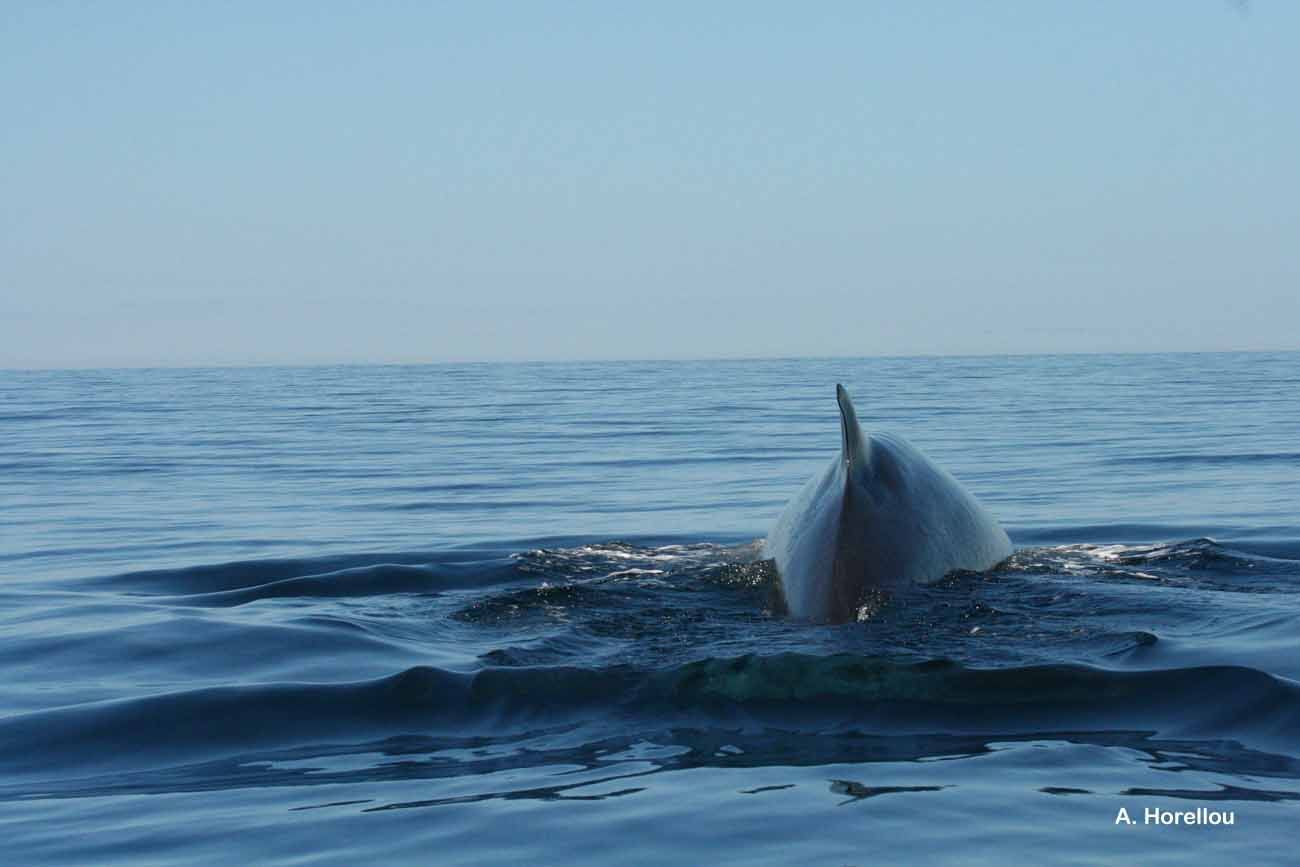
[[643, 360]]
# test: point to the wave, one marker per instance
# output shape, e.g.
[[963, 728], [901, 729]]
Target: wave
[[239, 582], [378, 580], [791, 692], [359, 574], [1201, 560], [485, 566]]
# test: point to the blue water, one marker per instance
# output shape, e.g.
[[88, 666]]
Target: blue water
[[520, 614]]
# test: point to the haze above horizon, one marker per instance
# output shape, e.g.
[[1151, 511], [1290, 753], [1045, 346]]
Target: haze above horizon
[[326, 183]]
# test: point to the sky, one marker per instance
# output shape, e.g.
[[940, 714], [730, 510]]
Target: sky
[[317, 182]]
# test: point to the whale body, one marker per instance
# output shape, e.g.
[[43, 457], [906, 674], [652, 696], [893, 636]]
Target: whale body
[[880, 517]]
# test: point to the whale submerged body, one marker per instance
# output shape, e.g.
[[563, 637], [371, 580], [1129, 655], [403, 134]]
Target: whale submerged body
[[881, 516]]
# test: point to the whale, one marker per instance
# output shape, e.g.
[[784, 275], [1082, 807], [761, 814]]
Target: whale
[[881, 517]]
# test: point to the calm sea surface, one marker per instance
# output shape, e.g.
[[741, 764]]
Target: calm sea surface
[[520, 614]]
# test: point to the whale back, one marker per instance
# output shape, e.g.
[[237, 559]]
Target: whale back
[[882, 515]]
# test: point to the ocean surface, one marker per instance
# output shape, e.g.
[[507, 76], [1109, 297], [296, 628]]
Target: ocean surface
[[519, 614]]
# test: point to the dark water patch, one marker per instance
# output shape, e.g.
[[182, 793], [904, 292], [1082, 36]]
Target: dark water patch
[[860, 792], [761, 789], [330, 804], [562, 792]]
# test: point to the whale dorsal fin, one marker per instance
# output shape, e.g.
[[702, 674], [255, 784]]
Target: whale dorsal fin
[[855, 449]]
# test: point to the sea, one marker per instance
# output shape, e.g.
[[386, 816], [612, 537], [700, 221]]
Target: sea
[[521, 614]]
